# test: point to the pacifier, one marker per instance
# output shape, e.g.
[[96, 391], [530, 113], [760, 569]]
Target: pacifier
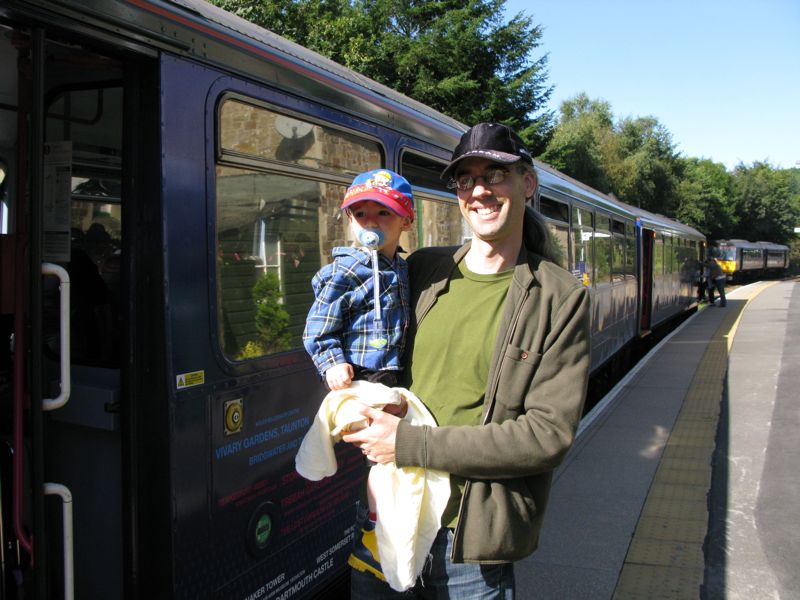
[[371, 238]]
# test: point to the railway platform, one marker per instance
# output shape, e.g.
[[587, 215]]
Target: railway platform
[[683, 482]]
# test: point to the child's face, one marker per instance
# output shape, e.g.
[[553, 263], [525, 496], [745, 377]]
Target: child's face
[[372, 215]]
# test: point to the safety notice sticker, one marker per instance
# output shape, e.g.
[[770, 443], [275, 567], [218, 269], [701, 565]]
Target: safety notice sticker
[[186, 380]]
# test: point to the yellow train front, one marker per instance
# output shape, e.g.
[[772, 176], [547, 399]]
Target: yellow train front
[[742, 260]]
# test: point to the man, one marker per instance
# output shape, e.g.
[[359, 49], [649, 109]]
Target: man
[[716, 280], [500, 355]]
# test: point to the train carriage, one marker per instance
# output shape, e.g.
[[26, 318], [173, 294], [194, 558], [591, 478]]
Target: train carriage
[[640, 267], [742, 260], [172, 178]]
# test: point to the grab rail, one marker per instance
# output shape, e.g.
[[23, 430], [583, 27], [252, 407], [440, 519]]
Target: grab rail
[[56, 489], [63, 278]]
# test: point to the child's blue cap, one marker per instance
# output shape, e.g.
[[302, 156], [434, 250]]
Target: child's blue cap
[[384, 187]]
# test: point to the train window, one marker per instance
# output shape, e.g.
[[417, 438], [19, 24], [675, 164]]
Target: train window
[[557, 214], [630, 250], [686, 261], [582, 251], [275, 230], [438, 219], [254, 132], [658, 255], [83, 226], [440, 222], [602, 249], [617, 250], [669, 254], [559, 234], [422, 172], [552, 209]]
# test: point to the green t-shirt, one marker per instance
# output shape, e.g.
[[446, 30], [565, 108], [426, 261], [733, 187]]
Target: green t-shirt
[[452, 352]]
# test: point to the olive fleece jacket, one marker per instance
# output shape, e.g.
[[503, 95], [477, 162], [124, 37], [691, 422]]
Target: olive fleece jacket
[[533, 401]]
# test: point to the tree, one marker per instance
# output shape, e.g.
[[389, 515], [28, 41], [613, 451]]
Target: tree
[[762, 198], [272, 320], [645, 169], [704, 198], [635, 159], [460, 57], [580, 140]]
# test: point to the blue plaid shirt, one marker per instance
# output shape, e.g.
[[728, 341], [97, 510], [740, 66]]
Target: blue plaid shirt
[[340, 323]]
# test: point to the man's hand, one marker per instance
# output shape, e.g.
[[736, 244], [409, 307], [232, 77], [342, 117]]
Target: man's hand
[[377, 440], [339, 377]]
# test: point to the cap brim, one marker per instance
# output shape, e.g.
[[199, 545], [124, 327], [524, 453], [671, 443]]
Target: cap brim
[[503, 158], [389, 203]]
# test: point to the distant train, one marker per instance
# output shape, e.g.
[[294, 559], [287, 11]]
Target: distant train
[[742, 260], [180, 171]]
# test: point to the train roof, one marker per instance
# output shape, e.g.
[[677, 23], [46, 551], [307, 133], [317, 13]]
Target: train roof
[[738, 244], [772, 246], [553, 179]]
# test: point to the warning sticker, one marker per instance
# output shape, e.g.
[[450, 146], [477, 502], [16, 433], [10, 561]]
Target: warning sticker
[[185, 380]]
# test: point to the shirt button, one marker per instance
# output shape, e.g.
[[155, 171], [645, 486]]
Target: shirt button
[[524, 355]]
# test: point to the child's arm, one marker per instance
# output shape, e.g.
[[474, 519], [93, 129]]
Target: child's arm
[[323, 330]]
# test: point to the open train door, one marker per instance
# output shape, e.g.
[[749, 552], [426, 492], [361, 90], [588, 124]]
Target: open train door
[[74, 313], [646, 237]]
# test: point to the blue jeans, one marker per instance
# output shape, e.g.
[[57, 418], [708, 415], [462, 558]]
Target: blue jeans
[[442, 579], [719, 285]]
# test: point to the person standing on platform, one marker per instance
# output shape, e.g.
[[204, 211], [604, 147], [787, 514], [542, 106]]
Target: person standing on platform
[[716, 280], [500, 356]]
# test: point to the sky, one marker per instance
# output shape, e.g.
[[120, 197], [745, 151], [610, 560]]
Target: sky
[[722, 76]]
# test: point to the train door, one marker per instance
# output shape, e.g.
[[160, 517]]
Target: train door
[[647, 238], [71, 197]]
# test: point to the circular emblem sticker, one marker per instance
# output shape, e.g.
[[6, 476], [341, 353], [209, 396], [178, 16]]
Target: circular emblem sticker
[[260, 528]]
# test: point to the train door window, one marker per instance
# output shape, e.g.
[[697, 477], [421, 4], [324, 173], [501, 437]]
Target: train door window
[[630, 250], [279, 183], [83, 202], [658, 255], [617, 250], [582, 251], [557, 218], [602, 248], [669, 254], [438, 217]]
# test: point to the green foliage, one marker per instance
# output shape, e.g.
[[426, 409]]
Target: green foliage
[[252, 349], [460, 57], [635, 160], [764, 198], [579, 142], [704, 198], [272, 320]]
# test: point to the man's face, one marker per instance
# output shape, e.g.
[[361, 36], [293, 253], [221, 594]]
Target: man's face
[[494, 211]]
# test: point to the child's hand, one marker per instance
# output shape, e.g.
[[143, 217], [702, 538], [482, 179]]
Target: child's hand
[[338, 377], [398, 410]]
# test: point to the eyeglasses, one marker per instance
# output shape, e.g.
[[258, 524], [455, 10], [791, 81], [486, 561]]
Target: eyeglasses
[[465, 182]]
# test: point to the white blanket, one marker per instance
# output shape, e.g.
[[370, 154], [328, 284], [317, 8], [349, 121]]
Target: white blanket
[[409, 500]]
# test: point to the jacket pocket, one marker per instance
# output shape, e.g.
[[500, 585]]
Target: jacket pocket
[[502, 521], [516, 376]]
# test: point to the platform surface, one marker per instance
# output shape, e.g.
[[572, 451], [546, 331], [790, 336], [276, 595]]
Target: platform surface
[[683, 482]]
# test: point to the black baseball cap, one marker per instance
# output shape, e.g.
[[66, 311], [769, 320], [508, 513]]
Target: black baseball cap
[[493, 141]]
